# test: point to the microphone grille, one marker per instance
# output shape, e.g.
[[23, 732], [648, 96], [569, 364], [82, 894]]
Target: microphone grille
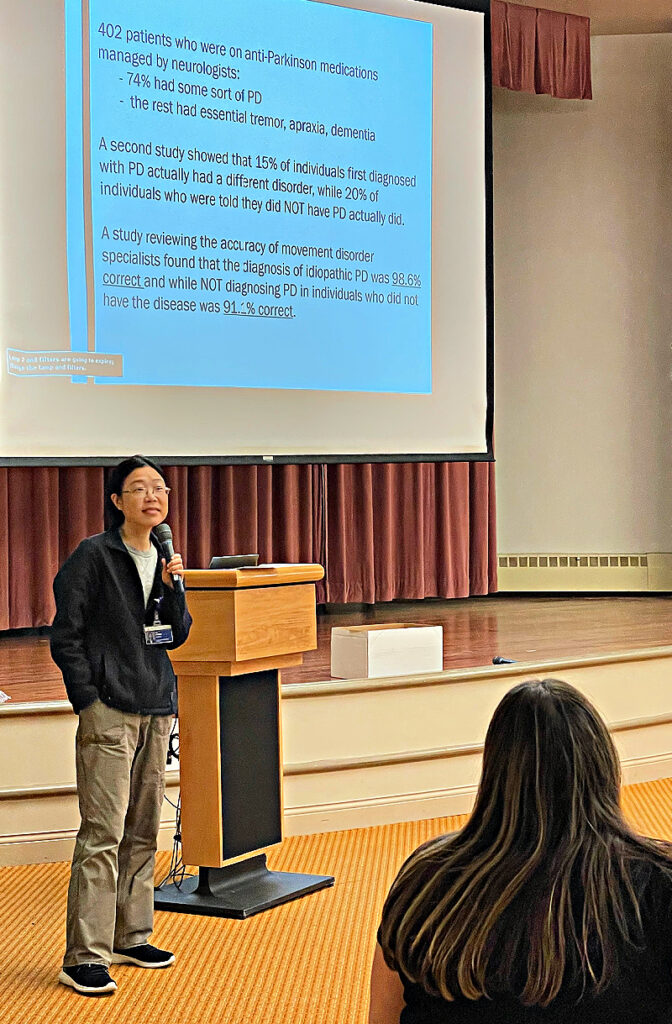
[[163, 533]]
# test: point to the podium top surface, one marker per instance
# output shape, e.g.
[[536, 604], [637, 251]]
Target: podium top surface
[[252, 576]]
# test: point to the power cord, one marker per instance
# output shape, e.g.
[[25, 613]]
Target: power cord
[[177, 871]]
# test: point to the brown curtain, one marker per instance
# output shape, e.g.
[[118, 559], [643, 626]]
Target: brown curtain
[[382, 531], [220, 510], [534, 50], [44, 513], [410, 530]]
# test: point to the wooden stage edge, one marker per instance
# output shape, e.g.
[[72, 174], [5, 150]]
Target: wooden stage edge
[[544, 632], [364, 752]]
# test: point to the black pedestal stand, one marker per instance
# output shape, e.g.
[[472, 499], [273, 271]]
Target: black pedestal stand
[[238, 890]]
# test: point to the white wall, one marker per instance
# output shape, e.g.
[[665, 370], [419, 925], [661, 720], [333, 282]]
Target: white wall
[[583, 312]]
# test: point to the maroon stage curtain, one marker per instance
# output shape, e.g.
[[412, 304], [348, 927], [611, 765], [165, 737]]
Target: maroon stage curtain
[[44, 513], [221, 510], [534, 50], [410, 530], [382, 531]]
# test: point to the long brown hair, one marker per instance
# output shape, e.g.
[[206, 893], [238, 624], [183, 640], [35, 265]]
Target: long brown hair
[[537, 889]]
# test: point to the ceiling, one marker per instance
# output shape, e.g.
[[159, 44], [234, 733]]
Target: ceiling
[[615, 17]]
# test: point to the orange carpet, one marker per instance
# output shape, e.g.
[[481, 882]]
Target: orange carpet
[[303, 963]]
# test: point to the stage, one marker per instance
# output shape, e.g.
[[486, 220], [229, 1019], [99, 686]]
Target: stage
[[525, 629], [360, 752]]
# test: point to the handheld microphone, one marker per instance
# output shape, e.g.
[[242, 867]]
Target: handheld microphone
[[503, 661], [164, 535]]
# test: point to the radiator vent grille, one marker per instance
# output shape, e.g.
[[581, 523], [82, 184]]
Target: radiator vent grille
[[572, 561]]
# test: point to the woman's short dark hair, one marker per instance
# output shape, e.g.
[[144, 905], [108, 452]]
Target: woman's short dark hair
[[115, 484]]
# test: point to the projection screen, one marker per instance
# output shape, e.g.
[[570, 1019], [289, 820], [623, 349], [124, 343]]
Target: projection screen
[[245, 232]]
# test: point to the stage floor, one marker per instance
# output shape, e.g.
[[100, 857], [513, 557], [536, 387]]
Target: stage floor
[[474, 631]]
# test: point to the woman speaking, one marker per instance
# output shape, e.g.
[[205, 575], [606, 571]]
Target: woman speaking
[[117, 615], [547, 907]]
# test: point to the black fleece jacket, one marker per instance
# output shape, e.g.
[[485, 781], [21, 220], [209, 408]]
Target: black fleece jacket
[[97, 637]]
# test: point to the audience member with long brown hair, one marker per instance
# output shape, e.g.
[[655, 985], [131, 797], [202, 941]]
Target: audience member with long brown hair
[[547, 906]]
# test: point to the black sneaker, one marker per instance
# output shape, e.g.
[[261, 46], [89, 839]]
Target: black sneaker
[[143, 956], [89, 979]]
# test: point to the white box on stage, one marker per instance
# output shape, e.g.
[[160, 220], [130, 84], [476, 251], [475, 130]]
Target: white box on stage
[[390, 649]]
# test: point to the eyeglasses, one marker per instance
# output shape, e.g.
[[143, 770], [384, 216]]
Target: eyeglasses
[[141, 492]]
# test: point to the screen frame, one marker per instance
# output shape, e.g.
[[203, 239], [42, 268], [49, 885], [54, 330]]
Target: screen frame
[[478, 6]]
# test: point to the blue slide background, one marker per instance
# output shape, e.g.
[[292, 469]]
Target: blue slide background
[[334, 345]]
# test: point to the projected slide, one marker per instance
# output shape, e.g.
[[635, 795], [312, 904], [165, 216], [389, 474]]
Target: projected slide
[[257, 197], [246, 230]]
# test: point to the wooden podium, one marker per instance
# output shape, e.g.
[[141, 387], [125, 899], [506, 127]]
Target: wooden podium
[[247, 625]]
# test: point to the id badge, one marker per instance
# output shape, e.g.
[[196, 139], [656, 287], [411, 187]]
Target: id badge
[[158, 634]]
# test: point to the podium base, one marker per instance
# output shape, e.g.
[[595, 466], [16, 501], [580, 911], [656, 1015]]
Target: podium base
[[238, 890]]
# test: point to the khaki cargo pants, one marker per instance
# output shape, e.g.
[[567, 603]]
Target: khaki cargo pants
[[121, 761]]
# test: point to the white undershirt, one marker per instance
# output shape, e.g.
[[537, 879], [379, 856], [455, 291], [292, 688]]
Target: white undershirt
[[146, 564]]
